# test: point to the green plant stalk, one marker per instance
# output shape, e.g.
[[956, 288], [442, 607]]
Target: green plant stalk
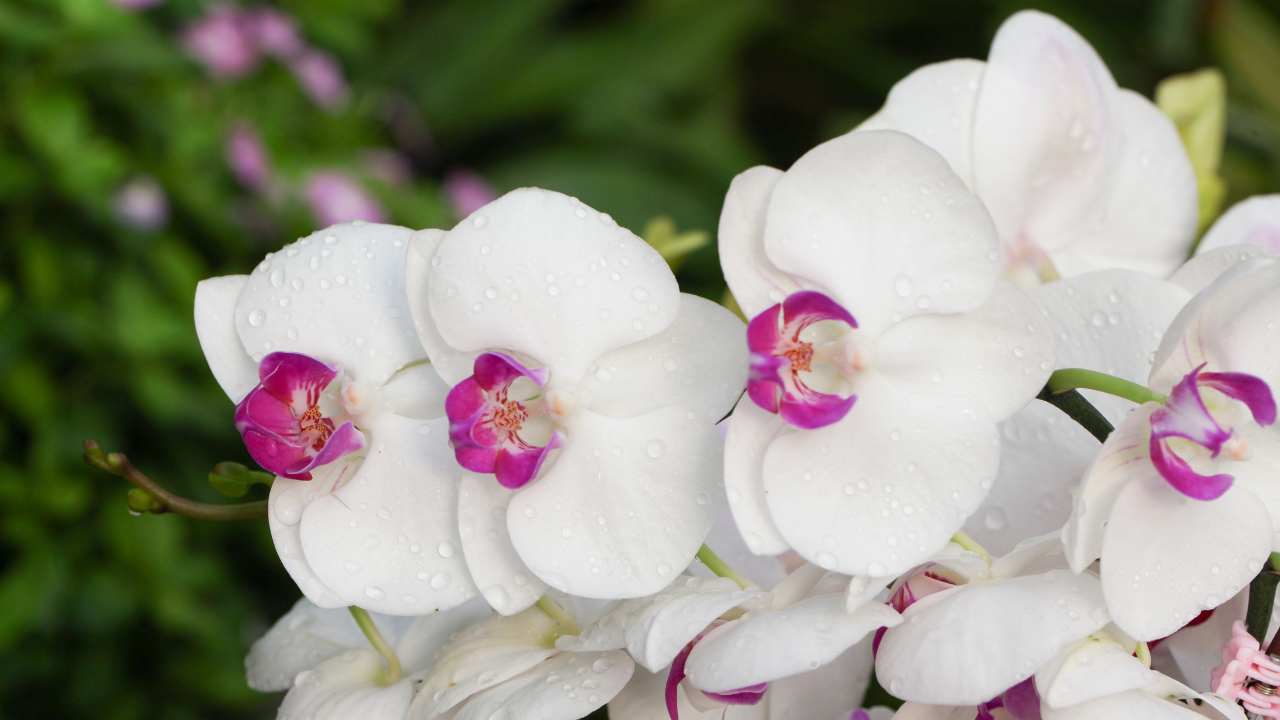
[[1082, 411], [1262, 596], [118, 464], [1078, 378], [720, 568], [567, 625], [370, 629]]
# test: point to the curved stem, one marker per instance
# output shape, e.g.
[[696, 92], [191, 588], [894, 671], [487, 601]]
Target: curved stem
[[1075, 378], [118, 464], [568, 626], [379, 643], [1082, 411], [720, 568], [1143, 653]]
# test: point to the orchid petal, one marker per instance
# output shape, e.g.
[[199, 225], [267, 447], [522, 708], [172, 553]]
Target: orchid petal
[[387, 539], [763, 571], [1254, 222], [624, 506], [884, 488], [301, 639], [698, 363], [1132, 705], [1092, 669], [1167, 557], [755, 281], [534, 272], [653, 630], [785, 642], [967, 645], [751, 431], [592, 678], [1200, 271], [288, 501], [882, 223], [338, 295], [825, 692], [1190, 654], [344, 687], [919, 711], [421, 641], [417, 391], [935, 105], [503, 580], [454, 366], [1250, 390], [643, 699], [216, 329], [995, 358]]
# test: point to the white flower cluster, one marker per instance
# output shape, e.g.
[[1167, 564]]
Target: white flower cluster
[[507, 454]]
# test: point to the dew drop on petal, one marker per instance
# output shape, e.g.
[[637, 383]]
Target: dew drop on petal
[[257, 317], [655, 448]]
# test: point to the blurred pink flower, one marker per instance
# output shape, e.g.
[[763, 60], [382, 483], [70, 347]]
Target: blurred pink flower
[[321, 78], [467, 191], [247, 157], [336, 198], [221, 41], [136, 4], [141, 204], [275, 33], [387, 165]]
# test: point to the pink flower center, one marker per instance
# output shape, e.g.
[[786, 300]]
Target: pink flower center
[[316, 427], [800, 361]]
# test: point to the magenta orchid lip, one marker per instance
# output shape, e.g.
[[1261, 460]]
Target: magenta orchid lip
[[281, 420]]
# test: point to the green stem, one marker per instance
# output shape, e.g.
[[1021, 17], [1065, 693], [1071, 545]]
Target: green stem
[[1143, 653], [1076, 378], [720, 567], [165, 501], [562, 618], [1262, 596], [1082, 411], [379, 643]]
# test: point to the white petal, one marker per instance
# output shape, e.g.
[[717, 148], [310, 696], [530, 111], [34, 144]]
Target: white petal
[[1093, 669], [539, 273], [1166, 557], [452, 365], [215, 308], [935, 105], [288, 500], [772, 644], [884, 225], [482, 656], [337, 295], [1044, 127], [643, 699], [345, 687], [495, 567], [1145, 219], [420, 643], [1200, 271], [1254, 222], [387, 539], [751, 431], [417, 391], [1132, 705], [995, 358], [919, 711], [623, 508], [755, 281], [826, 693], [883, 489], [654, 630], [1191, 654], [967, 645], [566, 687], [698, 363], [761, 570], [1122, 459], [300, 640]]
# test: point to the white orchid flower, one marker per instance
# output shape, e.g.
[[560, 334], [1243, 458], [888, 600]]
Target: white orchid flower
[[885, 350], [975, 643], [586, 389], [1249, 229], [1078, 173], [1182, 505], [509, 667], [332, 673], [334, 396], [1111, 321]]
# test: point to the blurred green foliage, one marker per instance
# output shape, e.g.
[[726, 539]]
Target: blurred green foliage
[[641, 108]]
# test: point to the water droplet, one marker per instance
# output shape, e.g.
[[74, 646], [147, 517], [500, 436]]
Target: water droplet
[[1098, 318], [639, 294], [491, 293], [352, 567], [257, 317], [277, 278], [902, 285], [373, 592], [439, 581], [655, 448], [995, 519], [445, 549], [479, 221]]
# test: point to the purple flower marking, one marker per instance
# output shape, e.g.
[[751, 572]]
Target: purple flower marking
[[750, 695], [1185, 416], [489, 426], [281, 422], [781, 359]]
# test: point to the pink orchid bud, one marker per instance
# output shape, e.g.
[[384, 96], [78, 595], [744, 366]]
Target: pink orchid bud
[[387, 165], [141, 204], [221, 42], [321, 78], [467, 191], [247, 157], [275, 33], [336, 198]]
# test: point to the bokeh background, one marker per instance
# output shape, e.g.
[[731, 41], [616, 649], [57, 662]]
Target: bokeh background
[[145, 144]]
